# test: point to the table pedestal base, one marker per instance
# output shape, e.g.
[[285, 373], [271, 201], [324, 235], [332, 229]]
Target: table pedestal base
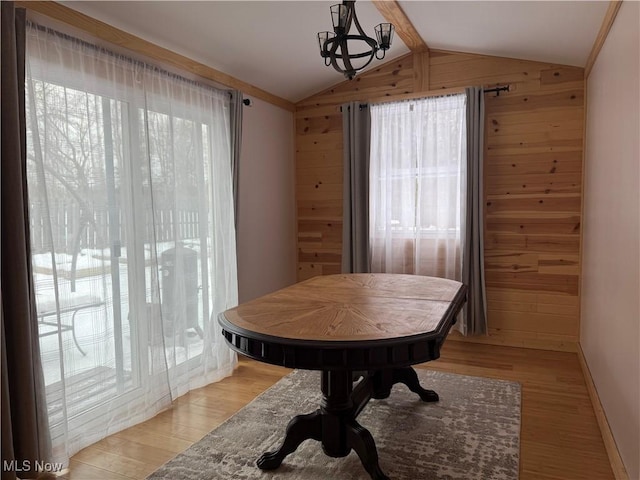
[[334, 423]]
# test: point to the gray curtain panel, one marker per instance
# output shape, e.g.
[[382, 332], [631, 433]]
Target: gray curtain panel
[[356, 129], [237, 103], [475, 311], [25, 429]]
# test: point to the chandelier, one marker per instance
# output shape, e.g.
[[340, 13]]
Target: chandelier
[[347, 53]]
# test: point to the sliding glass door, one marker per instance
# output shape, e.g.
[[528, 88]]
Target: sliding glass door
[[79, 259], [133, 244]]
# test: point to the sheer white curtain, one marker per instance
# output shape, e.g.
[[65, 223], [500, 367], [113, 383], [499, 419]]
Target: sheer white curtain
[[133, 241], [418, 186]]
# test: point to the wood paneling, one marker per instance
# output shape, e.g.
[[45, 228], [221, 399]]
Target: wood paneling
[[559, 436], [393, 78], [533, 183]]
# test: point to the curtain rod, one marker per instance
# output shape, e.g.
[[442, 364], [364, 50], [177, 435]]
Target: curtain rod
[[497, 90], [434, 93], [360, 107], [448, 92]]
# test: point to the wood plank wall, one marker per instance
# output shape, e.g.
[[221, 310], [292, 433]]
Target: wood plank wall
[[533, 190]]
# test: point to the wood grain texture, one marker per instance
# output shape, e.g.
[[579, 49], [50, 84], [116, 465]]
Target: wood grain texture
[[560, 438], [532, 184], [140, 46], [421, 71], [392, 78], [393, 13], [349, 307], [607, 22]]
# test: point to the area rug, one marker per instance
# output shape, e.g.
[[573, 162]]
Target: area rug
[[472, 433]]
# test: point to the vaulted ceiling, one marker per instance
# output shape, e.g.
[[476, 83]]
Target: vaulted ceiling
[[272, 44]]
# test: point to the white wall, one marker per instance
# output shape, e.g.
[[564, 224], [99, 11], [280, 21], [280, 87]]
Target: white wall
[[610, 325], [266, 230]]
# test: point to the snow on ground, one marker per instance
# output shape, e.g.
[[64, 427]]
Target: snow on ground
[[94, 327]]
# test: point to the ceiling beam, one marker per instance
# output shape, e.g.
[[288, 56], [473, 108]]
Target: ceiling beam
[[118, 37], [607, 22], [393, 13]]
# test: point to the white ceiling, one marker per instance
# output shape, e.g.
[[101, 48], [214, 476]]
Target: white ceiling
[[273, 45], [548, 31]]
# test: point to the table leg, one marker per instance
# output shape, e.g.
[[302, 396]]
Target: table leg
[[384, 380], [333, 424], [341, 432], [299, 429], [409, 377], [361, 440]]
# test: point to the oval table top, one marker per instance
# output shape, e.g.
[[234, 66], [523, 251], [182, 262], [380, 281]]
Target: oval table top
[[350, 308]]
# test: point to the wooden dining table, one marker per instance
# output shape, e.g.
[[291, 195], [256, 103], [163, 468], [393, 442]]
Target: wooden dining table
[[363, 332]]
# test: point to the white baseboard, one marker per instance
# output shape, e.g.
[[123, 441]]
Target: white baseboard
[[617, 466]]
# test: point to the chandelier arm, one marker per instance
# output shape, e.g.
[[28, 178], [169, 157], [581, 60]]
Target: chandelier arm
[[368, 62], [332, 47], [346, 58], [349, 71], [350, 15], [354, 17], [329, 46], [334, 57]]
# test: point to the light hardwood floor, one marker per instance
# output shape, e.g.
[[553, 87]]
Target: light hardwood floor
[[560, 438]]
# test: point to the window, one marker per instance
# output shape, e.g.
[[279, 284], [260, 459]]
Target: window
[[133, 243], [417, 178]]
